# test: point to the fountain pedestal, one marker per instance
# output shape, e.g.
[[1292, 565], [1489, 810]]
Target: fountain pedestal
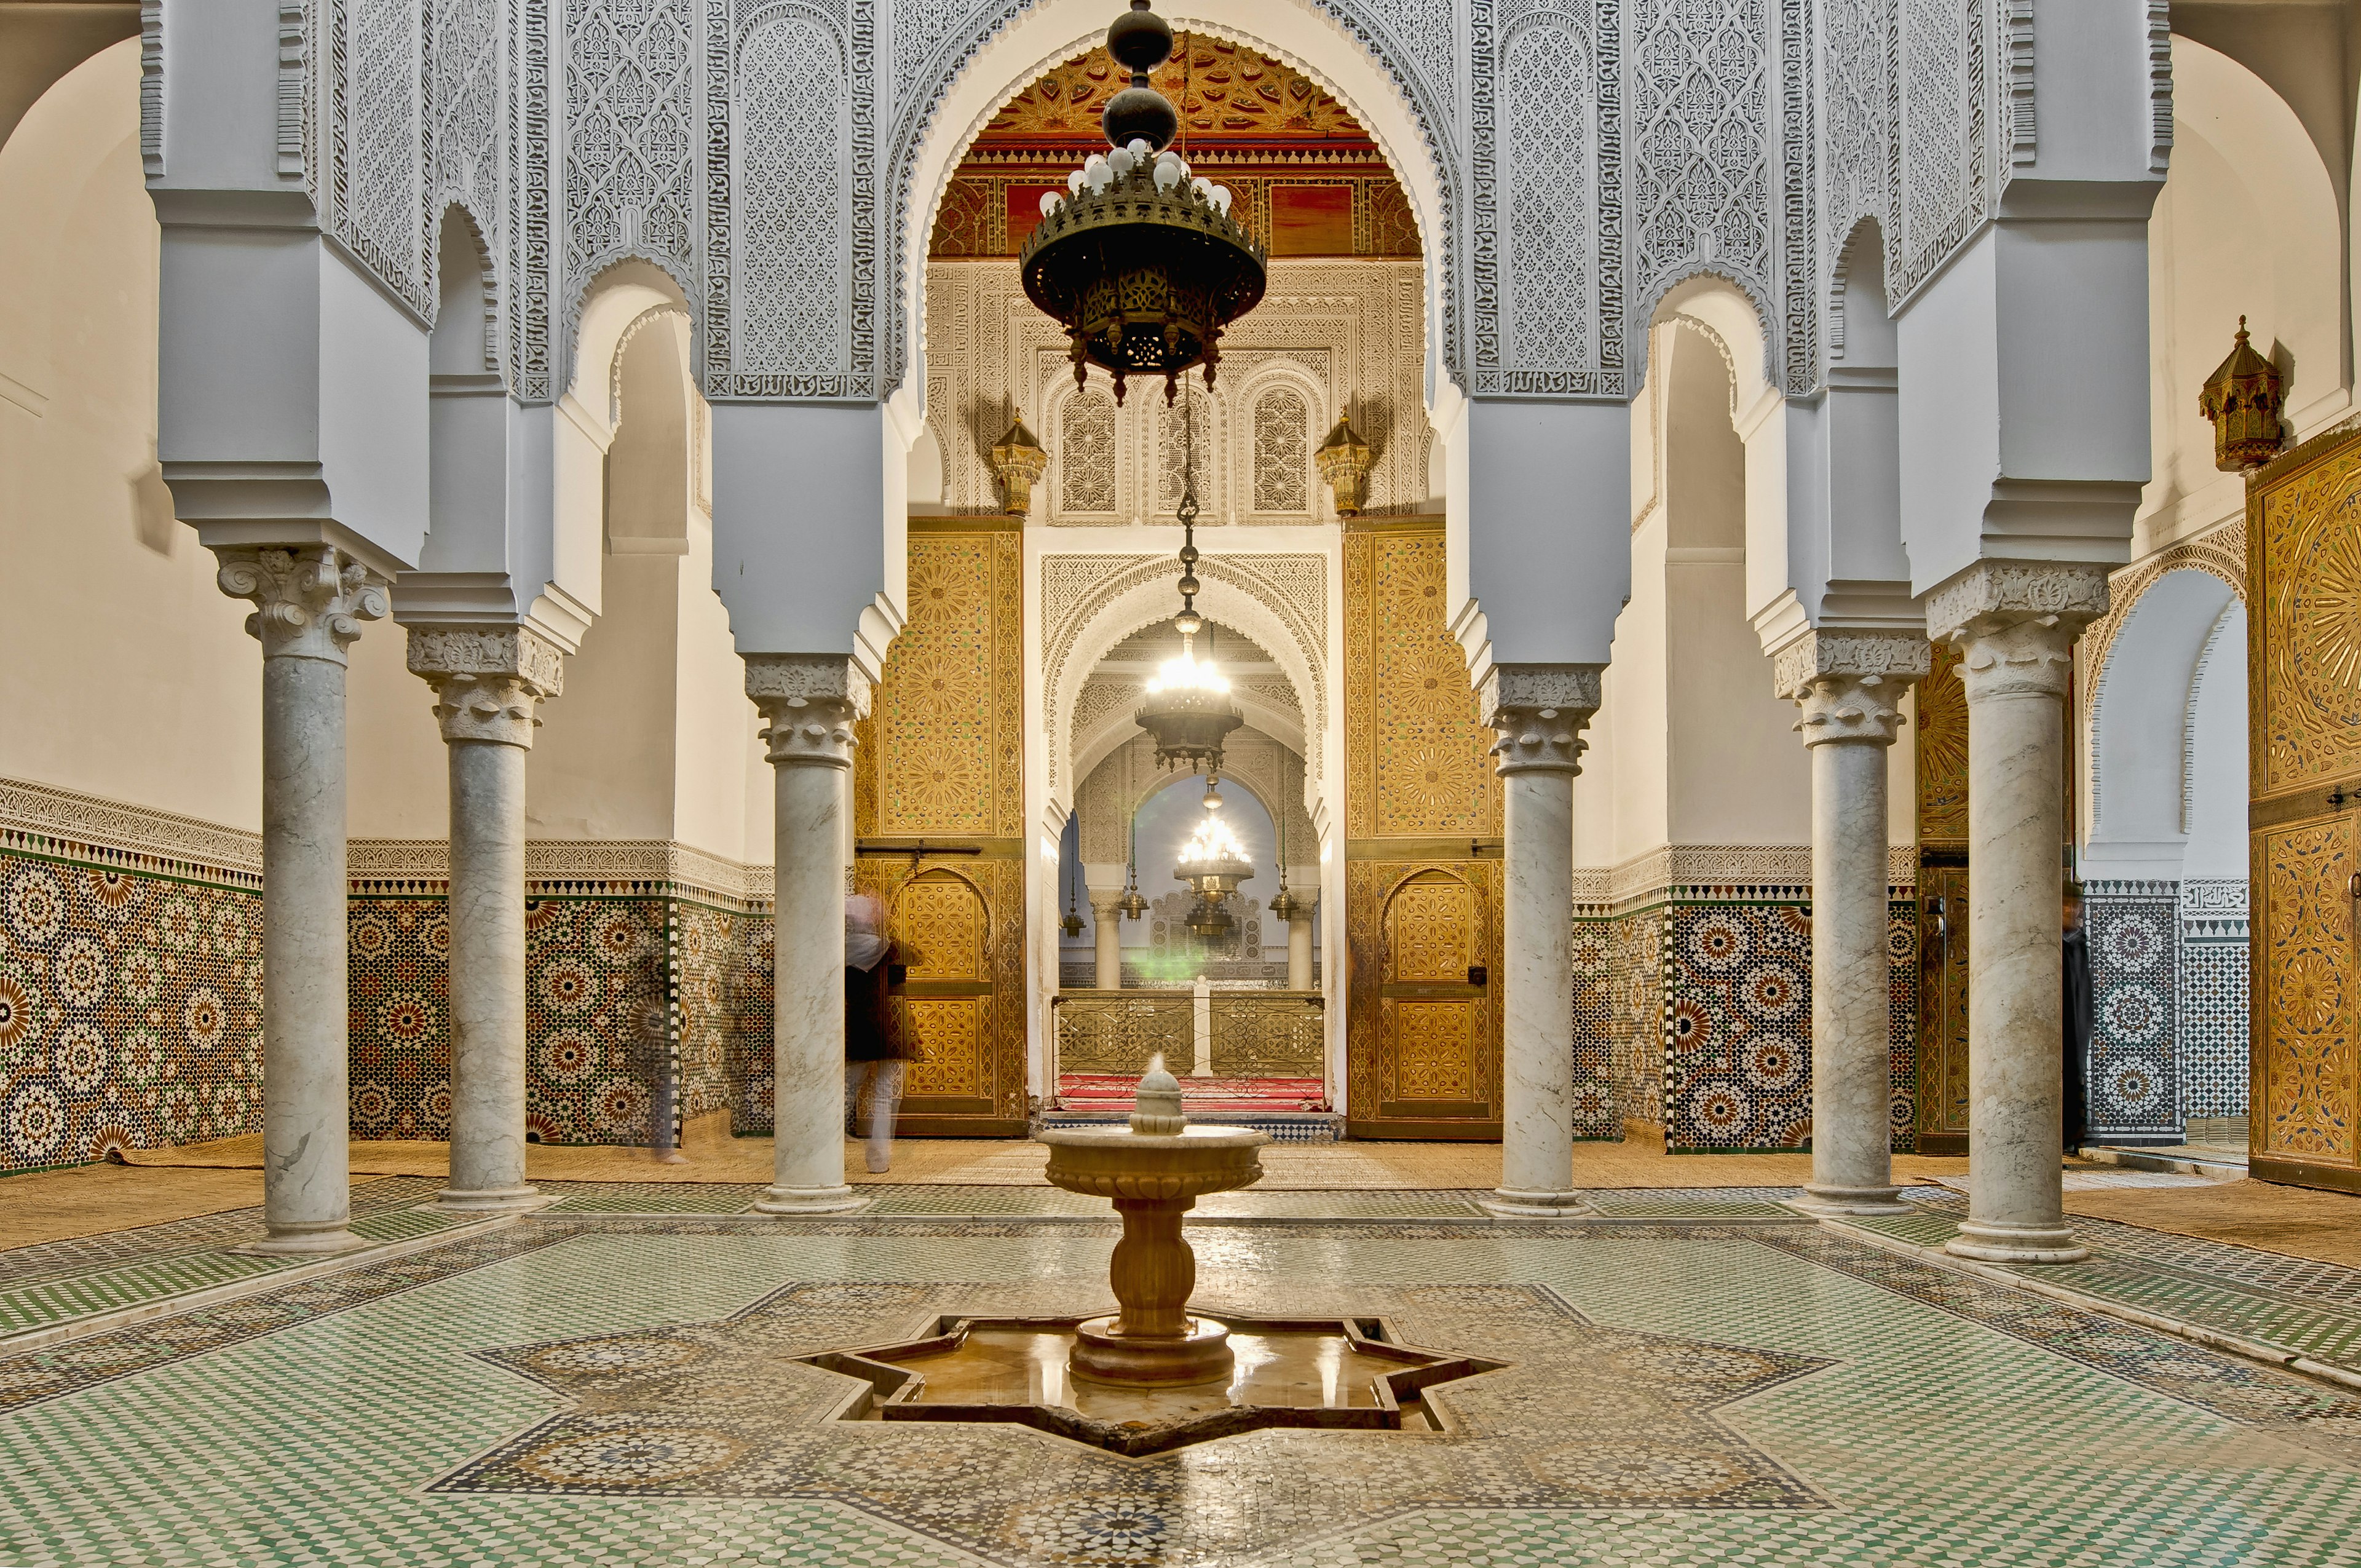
[[1154, 1172]]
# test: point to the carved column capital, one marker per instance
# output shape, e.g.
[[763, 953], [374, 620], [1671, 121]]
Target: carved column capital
[[1106, 902], [488, 680], [809, 701], [310, 601], [2015, 623], [1538, 712], [1849, 684]]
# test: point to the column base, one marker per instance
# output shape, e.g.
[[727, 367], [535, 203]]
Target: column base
[[306, 1241], [490, 1201], [668, 1156], [1510, 1203], [809, 1200], [1989, 1243], [1838, 1200]]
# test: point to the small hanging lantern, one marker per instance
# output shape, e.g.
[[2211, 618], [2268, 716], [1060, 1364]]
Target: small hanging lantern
[[1188, 708], [1285, 905], [1345, 462], [1073, 924], [2243, 399], [1018, 460], [1132, 904]]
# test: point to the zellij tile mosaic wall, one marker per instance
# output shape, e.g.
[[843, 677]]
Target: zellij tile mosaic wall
[[1696, 1017], [633, 1004], [130, 1010]]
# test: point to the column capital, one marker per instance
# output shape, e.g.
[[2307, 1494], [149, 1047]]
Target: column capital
[[1539, 712], [2015, 623], [1849, 684], [810, 701], [310, 601], [488, 680], [1105, 902]]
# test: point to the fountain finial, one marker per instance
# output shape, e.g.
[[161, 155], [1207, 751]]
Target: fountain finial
[[1156, 1110]]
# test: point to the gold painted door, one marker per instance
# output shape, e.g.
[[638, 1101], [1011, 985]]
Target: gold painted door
[[1421, 853], [2303, 759]]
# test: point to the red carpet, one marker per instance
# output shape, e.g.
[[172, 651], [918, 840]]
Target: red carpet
[[1107, 1092]]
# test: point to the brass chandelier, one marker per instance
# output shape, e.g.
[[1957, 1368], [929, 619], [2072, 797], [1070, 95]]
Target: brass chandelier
[[1212, 862], [1140, 261]]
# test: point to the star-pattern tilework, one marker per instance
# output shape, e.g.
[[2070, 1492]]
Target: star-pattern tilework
[[1925, 1417], [130, 1010], [2132, 1076]]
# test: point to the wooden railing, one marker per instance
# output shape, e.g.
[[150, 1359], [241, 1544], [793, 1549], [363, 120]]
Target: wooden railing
[[1238, 1034]]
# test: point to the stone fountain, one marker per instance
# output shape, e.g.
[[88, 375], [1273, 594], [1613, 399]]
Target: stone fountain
[[1155, 1172], [1153, 1375]]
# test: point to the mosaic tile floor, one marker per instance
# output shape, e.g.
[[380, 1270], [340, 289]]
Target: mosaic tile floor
[[1680, 1392]]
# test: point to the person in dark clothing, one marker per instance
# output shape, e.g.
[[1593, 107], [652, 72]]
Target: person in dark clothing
[[2080, 1021], [878, 1046]]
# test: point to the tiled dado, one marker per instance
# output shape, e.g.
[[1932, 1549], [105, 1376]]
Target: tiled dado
[[130, 978], [1692, 1010], [643, 1003]]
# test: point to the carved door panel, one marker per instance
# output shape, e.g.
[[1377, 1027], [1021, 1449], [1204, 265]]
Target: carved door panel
[[1942, 1005], [2303, 629], [944, 930]]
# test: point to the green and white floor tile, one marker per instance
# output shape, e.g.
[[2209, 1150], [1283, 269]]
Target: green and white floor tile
[[1916, 1416]]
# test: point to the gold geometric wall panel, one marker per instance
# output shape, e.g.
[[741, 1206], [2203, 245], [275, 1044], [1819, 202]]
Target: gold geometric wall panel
[[1941, 737], [2309, 579], [1429, 930], [945, 742], [1418, 758], [940, 924], [2303, 653]]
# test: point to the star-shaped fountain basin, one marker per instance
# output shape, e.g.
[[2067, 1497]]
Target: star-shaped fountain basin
[[1340, 1373]]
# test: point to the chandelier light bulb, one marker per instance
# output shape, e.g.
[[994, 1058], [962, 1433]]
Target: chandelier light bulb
[[1074, 183], [1048, 203], [1211, 844], [1121, 159]]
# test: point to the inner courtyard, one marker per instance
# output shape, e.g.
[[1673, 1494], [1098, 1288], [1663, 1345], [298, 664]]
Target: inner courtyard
[[1325, 782]]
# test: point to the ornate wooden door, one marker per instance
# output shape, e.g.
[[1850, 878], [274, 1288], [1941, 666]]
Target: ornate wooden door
[[2303, 759], [1421, 852], [939, 765]]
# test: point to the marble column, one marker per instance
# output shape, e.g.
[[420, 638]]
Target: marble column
[[1538, 712], [308, 602], [488, 680], [2014, 624], [1847, 687], [1106, 936], [1299, 945], [808, 703]]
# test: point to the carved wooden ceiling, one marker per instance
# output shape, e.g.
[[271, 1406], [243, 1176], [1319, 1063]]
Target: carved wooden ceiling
[[1307, 177], [1229, 95]]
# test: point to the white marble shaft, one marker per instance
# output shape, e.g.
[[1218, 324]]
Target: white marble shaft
[[1539, 713], [2015, 625], [487, 682], [1848, 689], [810, 705], [309, 603], [1106, 936], [1299, 947]]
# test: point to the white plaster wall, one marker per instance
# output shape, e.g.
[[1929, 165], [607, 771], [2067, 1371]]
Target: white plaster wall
[[601, 764], [2246, 224], [716, 720], [2217, 773], [397, 779], [124, 672]]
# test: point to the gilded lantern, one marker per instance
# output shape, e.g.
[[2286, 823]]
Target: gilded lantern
[[1018, 460], [2243, 398], [1345, 462]]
